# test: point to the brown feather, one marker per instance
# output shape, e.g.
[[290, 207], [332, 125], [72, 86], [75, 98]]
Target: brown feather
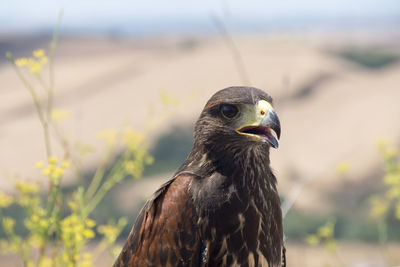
[[164, 233]]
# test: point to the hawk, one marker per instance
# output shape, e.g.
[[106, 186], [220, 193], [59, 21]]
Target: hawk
[[221, 208]]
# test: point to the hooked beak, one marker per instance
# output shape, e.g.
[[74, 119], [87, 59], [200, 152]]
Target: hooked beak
[[267, 120], [271, 121]]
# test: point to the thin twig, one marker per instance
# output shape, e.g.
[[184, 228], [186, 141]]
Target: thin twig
[[237, 57], [115, 174], [37, 102], [53, 46], [99, 175], [54, 188]]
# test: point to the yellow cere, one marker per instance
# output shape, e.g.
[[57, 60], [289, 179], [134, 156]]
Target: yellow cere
[[263, 107], [252, 115]]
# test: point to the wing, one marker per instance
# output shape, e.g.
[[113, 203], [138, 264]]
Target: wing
[[165, 232]]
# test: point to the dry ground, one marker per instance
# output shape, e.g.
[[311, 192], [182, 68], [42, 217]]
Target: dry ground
[[299, 255], [105, 82]]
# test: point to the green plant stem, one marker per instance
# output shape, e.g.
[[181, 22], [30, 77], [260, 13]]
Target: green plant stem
[[54, 187], [53, 46], [99, 175], [43, 83], [38, 105], [115, 175], [25, 256], [51, 211], [57, 215], [68, 152]]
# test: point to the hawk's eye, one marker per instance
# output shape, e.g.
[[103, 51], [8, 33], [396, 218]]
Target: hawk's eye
[[229, 111]]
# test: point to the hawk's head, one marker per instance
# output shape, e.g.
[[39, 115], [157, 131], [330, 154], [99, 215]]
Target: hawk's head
[[238, 117]]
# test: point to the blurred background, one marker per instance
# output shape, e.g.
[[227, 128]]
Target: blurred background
[[332, 68]]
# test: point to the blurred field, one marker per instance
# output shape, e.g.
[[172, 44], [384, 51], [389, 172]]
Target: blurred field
[[348, 254], [332, 109], [335, 94]]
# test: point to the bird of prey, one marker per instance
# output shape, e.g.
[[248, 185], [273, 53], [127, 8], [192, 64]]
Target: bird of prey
[[221, 208]]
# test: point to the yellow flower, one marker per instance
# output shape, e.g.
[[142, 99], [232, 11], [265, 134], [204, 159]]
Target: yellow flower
[[58, 115], [59, 171], [35, 68], [90, 223], [21, 62], [129, 166], [86, 260], [392, 179], [5, 200], [88, 233], [46, 262], [43, 60], [46, 171], [43, 223], [65, 164], [35, 218], [53, 160], [38, 53], [312, 240], [39, 164], [8, 224], [109, 231], [326, 231], [342, 168], [35, 241], [27, 188], [132, 138], [379, 206]]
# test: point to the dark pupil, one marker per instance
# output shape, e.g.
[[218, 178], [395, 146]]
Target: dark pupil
[[229, 111]]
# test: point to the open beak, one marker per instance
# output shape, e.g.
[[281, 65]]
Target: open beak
[[264, 127]]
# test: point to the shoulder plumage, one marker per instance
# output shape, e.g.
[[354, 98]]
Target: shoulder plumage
[[155, 239]]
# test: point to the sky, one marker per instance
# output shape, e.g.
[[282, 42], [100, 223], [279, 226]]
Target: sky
[[28, 15]]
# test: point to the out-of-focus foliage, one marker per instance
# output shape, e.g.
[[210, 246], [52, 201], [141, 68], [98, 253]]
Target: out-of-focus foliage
[[391, 180], [342, 168], [370, 58], [324, 236], [58, 226], [170, 150], [388, 200], [382, 207]]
